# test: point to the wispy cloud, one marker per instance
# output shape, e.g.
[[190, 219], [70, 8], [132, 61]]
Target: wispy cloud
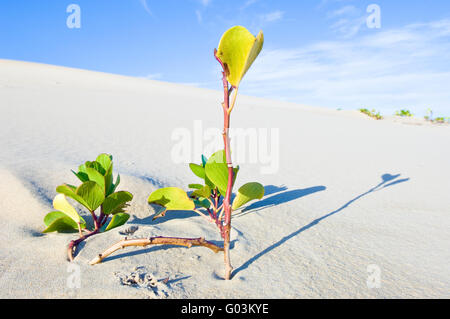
[[346, 10], [146, 7], [205, 3], [348, 20], [388, 69], [248, 3], [199, 16], [271, 16]]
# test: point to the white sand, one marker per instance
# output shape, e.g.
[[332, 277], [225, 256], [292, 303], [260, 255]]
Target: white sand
[[314, 234]]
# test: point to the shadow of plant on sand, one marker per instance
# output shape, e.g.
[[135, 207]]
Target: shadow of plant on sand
[[387, 181], [278, 198]]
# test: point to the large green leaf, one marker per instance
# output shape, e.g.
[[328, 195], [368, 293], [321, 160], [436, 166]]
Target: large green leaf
[[247, 193], [117, 220], [51, 217], [172, 198], [60, 222], [71, 191], [116, 202], [95, 176], [61, 204], [197, 170], [238, 49], [216, 170], [92, 195]]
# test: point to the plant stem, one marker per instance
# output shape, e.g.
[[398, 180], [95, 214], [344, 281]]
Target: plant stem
[[74, 243], [226, 140], [187, 242]]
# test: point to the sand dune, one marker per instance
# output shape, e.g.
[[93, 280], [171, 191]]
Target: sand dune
[[346, 193]]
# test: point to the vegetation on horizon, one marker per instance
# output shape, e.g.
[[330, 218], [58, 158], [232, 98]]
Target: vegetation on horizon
[[438, 120], [404, 113], [374, 114]]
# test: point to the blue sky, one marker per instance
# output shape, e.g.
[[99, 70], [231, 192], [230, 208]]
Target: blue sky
[[317, 52]]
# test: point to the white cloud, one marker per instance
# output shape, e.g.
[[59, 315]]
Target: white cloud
[[346, 10], [389, 69], [272, 16], [348, 20]]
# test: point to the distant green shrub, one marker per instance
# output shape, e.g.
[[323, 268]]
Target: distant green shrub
[[438, 120], [404, 113], [373, 114]]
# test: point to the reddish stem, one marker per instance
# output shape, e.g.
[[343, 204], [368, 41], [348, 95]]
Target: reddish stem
[[226, 229], [74, 243]]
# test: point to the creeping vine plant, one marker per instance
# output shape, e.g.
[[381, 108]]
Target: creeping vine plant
[[237, 51], [97, 191]]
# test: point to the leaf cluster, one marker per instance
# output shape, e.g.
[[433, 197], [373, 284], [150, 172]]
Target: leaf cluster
[[208, 194], [97, 191]]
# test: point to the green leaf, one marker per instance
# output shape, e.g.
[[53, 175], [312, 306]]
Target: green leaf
[[82, 168], [116, 202], [83, 177], [117, 220], [61, 204], [195, 186], [70, 191], [202, 202], [105, 161], [247, 193], [238, 49], [60, 222], [95, 176], [97, 166], [216, 170], [114, 186], [209, 183], [51, 217], [172, 198], [198, 170], [205, 192], [92, 195]]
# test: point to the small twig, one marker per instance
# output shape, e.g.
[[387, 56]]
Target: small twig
[[187, 242]]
